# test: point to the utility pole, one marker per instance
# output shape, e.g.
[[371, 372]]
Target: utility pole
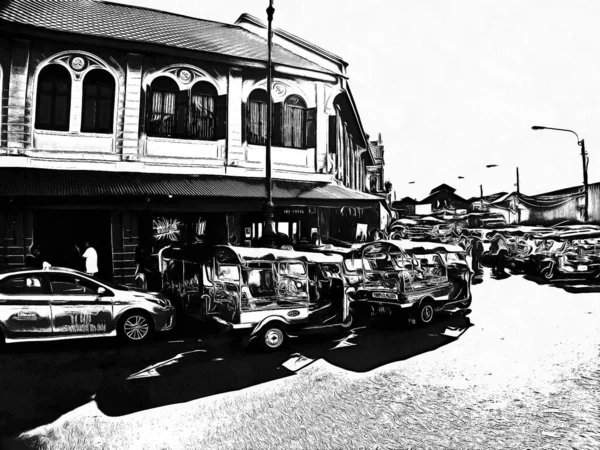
[[518, 185], [585, 161], [269, 207]]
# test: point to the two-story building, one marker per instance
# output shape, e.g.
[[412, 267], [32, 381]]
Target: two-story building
[[136, 127]]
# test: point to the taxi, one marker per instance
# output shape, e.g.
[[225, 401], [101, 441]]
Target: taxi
[[58, 303]]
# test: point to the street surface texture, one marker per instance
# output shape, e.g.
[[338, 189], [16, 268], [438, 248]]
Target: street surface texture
[[521, 371]]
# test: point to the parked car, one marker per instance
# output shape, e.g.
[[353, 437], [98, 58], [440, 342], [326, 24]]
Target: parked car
[[59, 303], [268, 295], [417, 279]]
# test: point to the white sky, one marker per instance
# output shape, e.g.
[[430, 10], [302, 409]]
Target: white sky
[[456, 85]]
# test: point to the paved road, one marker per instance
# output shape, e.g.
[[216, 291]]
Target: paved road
[[523, 341]]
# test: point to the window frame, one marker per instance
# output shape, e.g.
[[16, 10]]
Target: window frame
[[259, 123], [43, 284], [289, 131], [75, 278], [53, 93], [183, 106], [98, 98]]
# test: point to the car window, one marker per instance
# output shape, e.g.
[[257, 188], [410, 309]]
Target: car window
[[66, 284], [22, 285]]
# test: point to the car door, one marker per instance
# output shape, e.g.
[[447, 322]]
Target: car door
[[77, 307], [25, 306]]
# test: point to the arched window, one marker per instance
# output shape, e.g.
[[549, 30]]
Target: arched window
[[163, 108], [53, 106], [294, 122], [203, 112], [257, 117], [98, 102], [196, 113]]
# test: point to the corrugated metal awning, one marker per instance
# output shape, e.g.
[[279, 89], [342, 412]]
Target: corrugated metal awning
[[26, 182]]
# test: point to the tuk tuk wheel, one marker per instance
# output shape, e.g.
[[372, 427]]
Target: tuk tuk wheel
[[273, 337], [349, 321], [426, 313], [548, 273], [466, 303]]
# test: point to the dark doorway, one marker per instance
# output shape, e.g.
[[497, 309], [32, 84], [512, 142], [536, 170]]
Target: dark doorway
[[58, 232]]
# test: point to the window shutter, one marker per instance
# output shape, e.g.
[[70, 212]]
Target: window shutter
[[333, 134], [145, 109], [277, 131], [182, 113], [311, 127], [245, 121], [222, 116]]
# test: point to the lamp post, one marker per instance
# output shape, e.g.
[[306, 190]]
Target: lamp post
[[585, 161], [269, 207]]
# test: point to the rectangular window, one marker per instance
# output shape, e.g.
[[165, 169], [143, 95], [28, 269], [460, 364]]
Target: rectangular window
[[163, 116], [258, 123], [202, 117], [293, 133], [22, 285]]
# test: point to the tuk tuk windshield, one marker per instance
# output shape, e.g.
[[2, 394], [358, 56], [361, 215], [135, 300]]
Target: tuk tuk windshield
[[267, 285]]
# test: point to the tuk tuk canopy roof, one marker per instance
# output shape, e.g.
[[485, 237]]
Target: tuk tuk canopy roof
[[246, 254], [408, 246]]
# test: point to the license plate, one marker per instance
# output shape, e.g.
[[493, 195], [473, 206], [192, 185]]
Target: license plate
[[582, 268]]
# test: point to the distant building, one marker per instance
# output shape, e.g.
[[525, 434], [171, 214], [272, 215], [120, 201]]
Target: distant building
[[443, 197]]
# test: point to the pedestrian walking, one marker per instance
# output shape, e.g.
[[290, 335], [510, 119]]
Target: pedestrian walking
[[91, 259]]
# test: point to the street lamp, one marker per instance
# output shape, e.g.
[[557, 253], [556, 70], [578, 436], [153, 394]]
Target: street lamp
[[269, 207], [585, 161]]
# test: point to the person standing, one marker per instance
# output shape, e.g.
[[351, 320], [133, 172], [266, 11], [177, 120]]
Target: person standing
[[91, 259]]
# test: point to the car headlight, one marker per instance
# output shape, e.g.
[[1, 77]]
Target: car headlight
[[159, 300]]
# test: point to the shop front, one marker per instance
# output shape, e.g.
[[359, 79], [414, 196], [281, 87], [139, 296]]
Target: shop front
[[133, 218]]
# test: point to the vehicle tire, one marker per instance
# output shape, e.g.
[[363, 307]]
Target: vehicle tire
[[466, 303], [273, 337], [349, 321], [135, 326], [547, 273], [425, 313]]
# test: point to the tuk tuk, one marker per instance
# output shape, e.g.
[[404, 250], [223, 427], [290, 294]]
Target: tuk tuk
[[412, 278], [269, 295], [568, 254]]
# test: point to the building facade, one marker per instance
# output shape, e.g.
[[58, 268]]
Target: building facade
[[139, 128]]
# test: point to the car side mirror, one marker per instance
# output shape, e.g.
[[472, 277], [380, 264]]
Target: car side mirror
[[101, 291]]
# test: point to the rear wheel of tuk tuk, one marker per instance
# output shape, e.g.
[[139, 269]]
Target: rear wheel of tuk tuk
[[425, 312], [349, 321], [548, 272], [273, 337]]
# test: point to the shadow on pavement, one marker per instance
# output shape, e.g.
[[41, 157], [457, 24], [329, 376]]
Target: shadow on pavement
[[39, 382], [573, 286], [204, 372], [48, 380]]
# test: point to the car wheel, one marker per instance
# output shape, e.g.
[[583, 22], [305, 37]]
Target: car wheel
[[135, 327], [273, 337], [426, 313]]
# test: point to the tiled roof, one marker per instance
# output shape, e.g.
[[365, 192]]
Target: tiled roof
[[17, 182], [130, 23]]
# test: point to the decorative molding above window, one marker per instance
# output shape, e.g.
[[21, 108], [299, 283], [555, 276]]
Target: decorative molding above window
[[79, 63], [185, 75]]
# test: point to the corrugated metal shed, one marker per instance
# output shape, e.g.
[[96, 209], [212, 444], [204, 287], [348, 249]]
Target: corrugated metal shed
[[20, 182]]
